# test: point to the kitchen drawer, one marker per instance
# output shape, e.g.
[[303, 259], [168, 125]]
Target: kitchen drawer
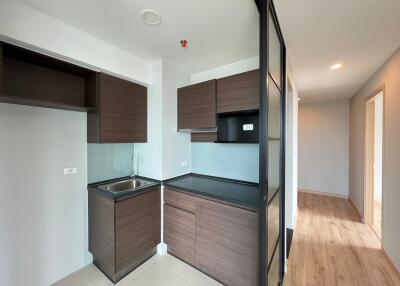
[[137, 230], [179, 233], [180, 200], [273, 224]]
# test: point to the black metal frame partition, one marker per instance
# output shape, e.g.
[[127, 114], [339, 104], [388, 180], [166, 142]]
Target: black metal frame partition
[[265, 8]]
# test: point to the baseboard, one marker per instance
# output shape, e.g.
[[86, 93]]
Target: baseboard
[[323, 194], [289, 239], [394, 267], [357, 211], [295, 216]]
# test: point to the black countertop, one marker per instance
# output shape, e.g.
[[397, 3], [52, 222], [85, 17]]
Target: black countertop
[[239, 193], [125, 194], [233, 192]]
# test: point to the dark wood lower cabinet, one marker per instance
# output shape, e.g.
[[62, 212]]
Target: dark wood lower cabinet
[[124, 234], [179, 233], [218, 239]]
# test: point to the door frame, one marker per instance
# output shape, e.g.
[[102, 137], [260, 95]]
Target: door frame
[[369, 192], [266, 7]]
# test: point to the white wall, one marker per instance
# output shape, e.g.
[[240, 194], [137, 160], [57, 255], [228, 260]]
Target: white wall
[[291, 149], [388, 76], [43, 214], [148, 155], [21, 24], [176, 145], [324, 147], [226, 70], [378, 147], [167, 151]]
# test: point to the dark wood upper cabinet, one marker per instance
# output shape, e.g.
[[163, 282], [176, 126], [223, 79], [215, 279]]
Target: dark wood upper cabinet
[[238, 92], [204, 137], [197, 106], [121, 115], [31, 78]]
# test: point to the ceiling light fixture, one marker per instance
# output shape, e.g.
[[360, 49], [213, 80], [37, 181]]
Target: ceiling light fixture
[[151, 17], [336, 66]]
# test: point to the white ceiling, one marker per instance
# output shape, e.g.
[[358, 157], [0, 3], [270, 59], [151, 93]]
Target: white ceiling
[[218, 32], [360, 33]]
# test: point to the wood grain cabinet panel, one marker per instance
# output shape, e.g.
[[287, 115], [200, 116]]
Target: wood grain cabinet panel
[[101, 233], [238, 92], [227, 243], [123, 234], [138, 230], [121, 116], [34, 79], [180, 200], [197, 106], [179, 233], [204, 137]]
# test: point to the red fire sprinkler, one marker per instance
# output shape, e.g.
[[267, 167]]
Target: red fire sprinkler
[[183, 43]]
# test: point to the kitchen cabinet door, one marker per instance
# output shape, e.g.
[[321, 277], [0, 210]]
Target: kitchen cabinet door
[[121, 115], [179, 233], [238, 92], [137, 230], [197, 106], [227, 243]]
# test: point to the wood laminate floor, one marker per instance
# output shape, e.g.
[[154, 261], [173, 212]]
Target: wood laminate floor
[[377, 226], [332, 247]]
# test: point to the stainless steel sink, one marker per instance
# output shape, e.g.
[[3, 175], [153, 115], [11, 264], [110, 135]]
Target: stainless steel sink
[[126, 185]]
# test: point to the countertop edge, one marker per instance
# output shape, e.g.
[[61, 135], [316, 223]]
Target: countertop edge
[[236, 203], [218, 199]]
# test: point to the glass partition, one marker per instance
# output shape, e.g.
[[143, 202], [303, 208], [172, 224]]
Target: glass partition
[[272, 70]]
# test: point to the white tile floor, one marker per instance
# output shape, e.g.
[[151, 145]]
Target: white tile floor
[[160, 270]]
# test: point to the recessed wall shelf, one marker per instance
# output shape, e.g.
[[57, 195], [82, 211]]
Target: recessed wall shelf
[[31, 78]]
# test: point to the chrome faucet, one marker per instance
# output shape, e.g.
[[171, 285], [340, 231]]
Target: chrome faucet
[[133, 166]]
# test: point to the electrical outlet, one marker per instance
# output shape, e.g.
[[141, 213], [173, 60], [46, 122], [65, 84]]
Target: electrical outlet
[[70, 171], [73, 170], [184, 164]]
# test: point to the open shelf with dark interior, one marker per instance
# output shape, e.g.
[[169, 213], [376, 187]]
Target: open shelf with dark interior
[[31, 78]]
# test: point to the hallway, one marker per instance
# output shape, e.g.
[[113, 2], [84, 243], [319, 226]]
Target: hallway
[[332, 247]]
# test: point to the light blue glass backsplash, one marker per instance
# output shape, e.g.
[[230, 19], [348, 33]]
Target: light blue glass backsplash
[[109, 161], [233, 161]]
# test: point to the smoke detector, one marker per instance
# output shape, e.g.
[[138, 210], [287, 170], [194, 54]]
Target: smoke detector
[[151, 17]]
